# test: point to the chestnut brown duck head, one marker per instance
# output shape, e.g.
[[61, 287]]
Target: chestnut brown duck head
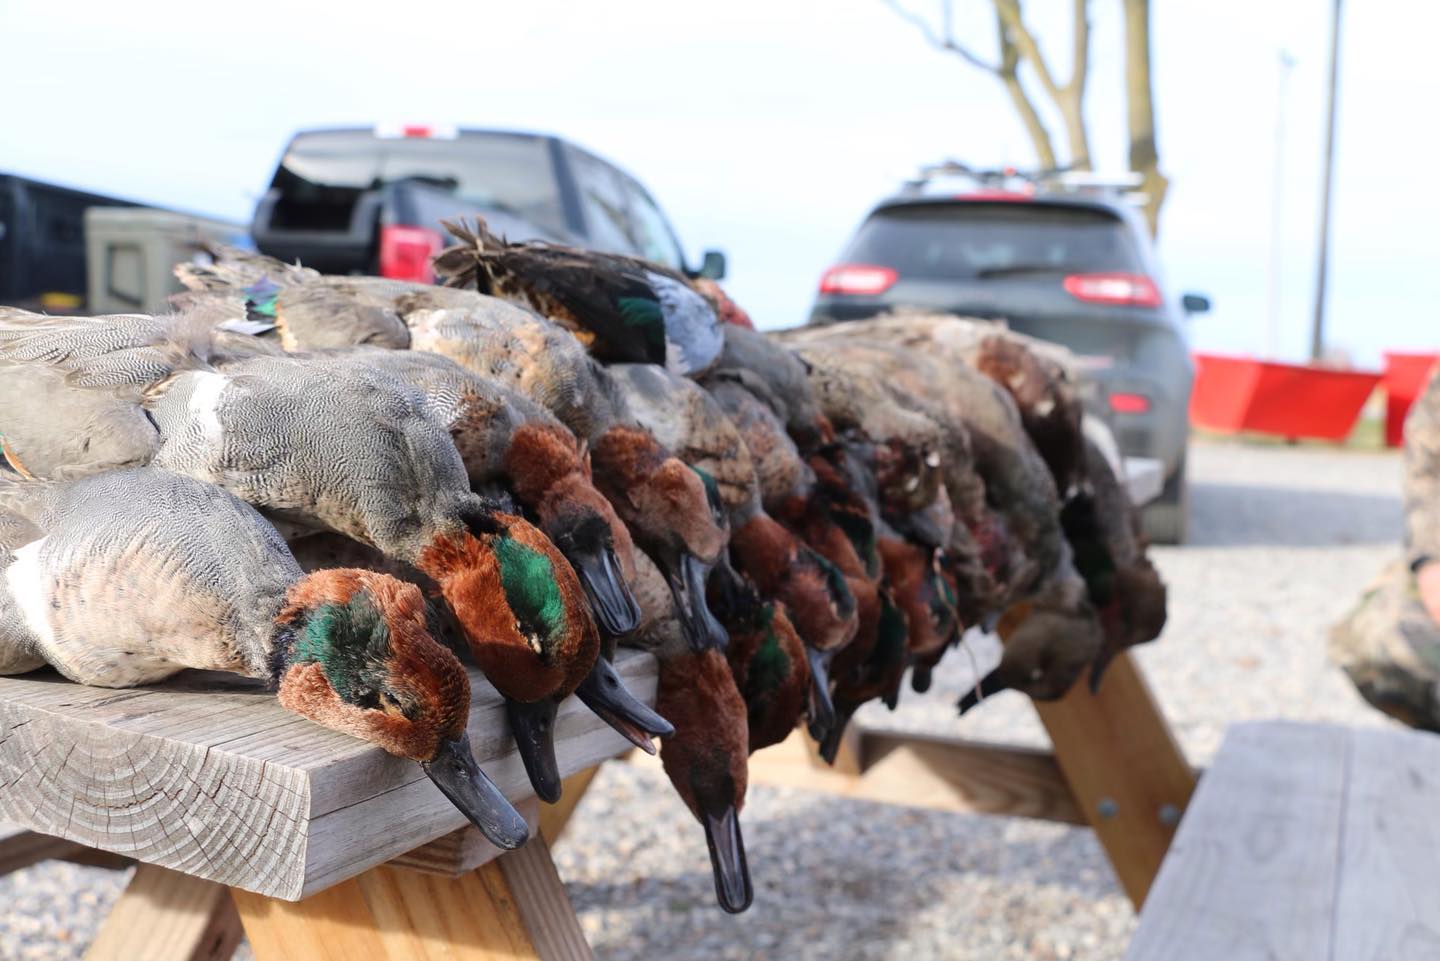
[[706, 761]]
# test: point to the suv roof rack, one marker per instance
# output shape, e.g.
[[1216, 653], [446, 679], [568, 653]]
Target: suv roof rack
[[1011, 180]]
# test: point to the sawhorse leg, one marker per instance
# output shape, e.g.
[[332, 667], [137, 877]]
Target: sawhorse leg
[[511, 908], [1125, 768], [168, 916]]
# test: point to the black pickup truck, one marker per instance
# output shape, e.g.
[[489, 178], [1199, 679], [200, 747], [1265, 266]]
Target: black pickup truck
[[370, 201], [42, 242]]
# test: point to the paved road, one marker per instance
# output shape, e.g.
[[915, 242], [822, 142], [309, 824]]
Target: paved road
[[1283, 539]]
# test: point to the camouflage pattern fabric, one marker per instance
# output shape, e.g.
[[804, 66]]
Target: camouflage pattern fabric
[[1390, 648], [1389, 645], [1422, 474]]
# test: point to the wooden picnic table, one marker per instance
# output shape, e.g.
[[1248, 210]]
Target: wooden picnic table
[[210, 785], [1304, 841]]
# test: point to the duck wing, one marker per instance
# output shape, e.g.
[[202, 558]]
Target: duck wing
[[623, 309]]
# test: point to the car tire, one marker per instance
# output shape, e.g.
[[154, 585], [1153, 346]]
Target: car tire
[[1166, 519]]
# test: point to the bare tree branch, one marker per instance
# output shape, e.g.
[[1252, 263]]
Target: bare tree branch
[[1144, 156], [942, 40], [1008, 73], [1080, 55], [1010, 16]]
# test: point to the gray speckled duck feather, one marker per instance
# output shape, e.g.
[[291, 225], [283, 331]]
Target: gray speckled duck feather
[[127, 577]]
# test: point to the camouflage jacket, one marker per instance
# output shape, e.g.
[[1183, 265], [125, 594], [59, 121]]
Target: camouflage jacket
[[1422, 474]]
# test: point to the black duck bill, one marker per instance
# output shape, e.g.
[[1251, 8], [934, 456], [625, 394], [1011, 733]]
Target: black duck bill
[[459, 778], [617, 613], [532, 725], [990, 685], [604, 693], [727, 853], [686, 578], [820, 707]]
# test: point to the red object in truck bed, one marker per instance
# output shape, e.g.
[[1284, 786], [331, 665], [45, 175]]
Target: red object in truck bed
[[1289, 400], [1404, 378]]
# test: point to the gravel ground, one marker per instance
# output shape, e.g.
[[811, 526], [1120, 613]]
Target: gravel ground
[[1282, 540]]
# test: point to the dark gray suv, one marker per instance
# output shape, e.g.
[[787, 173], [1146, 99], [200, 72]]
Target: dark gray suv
[[1071, 267]]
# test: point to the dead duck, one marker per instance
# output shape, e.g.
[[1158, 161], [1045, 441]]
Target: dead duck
[[706, 758], [1103, 528], [1048, 640], [305, 309], [659, 500], [128, 577], [624, 310], [325, 442], [686, 418], [507, 440]]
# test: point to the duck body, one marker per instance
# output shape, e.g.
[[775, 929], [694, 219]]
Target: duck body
[[127, 577], [688, 419], [706, 758], [623, 309], [329, 442], [658, 499]]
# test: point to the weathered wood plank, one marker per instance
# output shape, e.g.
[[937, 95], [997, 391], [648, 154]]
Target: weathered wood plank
[[555, 816], [1387, 904], [1124, 767], [464, 850], [389, 915], [950, 774], [1253, 871], [167, 916], [543, 904], [916, 770], [208, 775]]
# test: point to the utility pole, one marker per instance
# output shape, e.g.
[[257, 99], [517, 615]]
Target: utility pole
[[1317, 332], [1277, 205]]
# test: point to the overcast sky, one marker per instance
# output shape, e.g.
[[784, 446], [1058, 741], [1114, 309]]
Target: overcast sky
[[768, 128]]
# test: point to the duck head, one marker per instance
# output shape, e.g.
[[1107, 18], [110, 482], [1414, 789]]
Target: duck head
[[354, 655], [771, 671], [1045, 651], [674, 516], [706, 761], [525, 621], [811, 588], [922, 591], [549, 474], [879, 675]]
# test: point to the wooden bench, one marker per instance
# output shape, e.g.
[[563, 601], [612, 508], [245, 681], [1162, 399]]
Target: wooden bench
[[1310, 842], [222, 796]]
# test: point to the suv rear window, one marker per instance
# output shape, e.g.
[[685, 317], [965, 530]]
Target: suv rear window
[[967, 241], [324, 172]]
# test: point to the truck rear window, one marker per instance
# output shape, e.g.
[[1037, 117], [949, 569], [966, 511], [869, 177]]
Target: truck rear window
[[323, 173], [977, 241]]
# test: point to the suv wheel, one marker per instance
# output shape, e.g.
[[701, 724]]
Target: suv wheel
[[1165, 519]]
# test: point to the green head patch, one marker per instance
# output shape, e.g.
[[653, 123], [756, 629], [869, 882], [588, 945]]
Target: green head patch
[[712, 491], [770, 665], [644, 315], [351, 643], [531, 591]]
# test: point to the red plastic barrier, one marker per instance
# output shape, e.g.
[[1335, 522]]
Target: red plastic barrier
[[1405, 376], [1239, 393]]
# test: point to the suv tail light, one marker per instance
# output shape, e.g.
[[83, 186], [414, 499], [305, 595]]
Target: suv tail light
[[857, 279], [1126, 290], [1126, 403], [405, 252]]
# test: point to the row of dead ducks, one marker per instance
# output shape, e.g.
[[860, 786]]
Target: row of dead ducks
[[563, 450]]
